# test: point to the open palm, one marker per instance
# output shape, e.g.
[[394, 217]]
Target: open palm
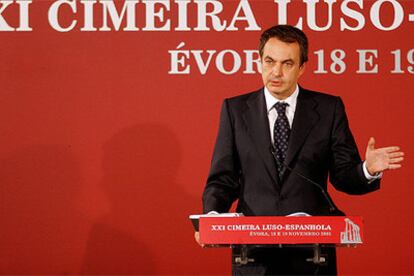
[[381, 159]]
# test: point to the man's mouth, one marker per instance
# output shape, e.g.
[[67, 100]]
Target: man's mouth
[[276, 83]]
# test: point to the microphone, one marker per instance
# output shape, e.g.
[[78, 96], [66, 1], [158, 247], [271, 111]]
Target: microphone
[[332, 208]]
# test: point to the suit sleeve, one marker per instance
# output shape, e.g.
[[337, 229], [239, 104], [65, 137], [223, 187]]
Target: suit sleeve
[[223, 185], [346, 172]]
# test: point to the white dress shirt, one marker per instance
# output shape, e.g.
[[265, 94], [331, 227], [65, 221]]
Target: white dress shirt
[[271, 110]]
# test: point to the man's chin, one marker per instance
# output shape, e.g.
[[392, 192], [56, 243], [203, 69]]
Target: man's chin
[[276, 91], [279, 93]]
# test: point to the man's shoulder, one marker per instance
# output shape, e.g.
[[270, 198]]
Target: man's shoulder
[[242, 101], [317, 94], [320, 97], [245, 96]]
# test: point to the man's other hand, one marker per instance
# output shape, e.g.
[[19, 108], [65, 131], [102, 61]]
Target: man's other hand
[[381, 159], [197, 238]]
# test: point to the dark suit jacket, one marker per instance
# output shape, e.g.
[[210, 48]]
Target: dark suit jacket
[[320, 145]]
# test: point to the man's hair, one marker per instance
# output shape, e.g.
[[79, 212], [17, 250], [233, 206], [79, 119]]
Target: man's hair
[[288, 34]]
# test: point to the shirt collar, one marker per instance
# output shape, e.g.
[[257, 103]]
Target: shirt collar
[[271, 100]]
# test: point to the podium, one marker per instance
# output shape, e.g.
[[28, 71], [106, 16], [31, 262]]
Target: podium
[[309, 231]]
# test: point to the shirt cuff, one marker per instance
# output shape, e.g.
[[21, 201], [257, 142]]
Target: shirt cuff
[[368, 176]]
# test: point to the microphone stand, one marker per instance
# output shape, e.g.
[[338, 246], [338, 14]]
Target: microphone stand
[[332, 208]]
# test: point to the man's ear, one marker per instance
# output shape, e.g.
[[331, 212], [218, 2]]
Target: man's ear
[[302, 69]]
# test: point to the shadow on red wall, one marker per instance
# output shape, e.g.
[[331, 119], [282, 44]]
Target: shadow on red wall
[[146, 231]]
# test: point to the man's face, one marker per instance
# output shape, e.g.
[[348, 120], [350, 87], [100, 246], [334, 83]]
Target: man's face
[[281, 67]]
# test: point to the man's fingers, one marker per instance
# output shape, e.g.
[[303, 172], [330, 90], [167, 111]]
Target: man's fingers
[[394, 166], [197, 238], [391, 149], [396, 160], [396, 154], [212, 246]]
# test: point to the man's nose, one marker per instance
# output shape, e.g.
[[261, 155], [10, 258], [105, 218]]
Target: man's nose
[[277, 70]]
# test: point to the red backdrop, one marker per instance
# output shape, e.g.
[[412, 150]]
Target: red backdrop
[[104, 153]]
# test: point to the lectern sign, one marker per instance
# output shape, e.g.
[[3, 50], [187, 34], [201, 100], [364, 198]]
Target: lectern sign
[[281, 230]]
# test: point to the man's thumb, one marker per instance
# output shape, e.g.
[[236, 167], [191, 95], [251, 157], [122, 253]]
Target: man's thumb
[[371, 144]]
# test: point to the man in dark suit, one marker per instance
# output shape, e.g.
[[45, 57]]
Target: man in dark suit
[[271, 140]]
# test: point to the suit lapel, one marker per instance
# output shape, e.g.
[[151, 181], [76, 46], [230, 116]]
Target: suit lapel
[[304, 120], [257, 124]]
